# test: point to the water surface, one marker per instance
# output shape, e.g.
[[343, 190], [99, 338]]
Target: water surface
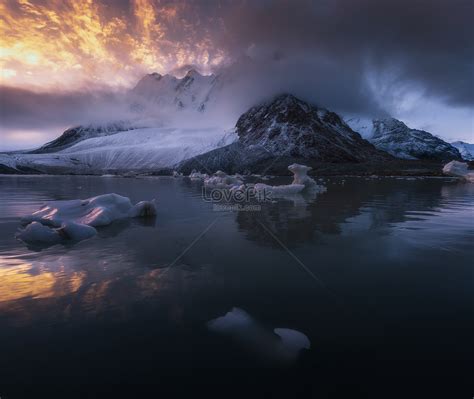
[[378, 273]]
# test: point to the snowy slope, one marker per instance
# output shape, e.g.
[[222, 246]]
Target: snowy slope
[[138, 149], [78, 133], [363, 126], [399, 140], [466, 150], [147, 148]]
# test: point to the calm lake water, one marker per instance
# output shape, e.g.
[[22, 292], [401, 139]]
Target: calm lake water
[[377, 273]]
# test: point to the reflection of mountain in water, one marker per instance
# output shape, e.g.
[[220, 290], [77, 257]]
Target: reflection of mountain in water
[[385, 201]]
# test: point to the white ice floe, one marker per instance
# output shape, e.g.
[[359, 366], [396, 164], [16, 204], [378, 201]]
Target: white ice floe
[[76, 231], [76, 219], [459, 169], [194, 175], [222, 180], [279, 191], [36, 232], [143, 209], [301, 182], [281, 345], [300, 173]]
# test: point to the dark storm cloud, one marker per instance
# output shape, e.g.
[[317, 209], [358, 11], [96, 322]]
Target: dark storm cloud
[[348, 55], [424, 43]]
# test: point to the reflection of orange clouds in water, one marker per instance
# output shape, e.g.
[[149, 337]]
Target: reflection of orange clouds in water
[[32, 291], [67, 44], [18, 281]]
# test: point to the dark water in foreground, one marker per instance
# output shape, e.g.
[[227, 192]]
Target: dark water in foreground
[[390, 312]]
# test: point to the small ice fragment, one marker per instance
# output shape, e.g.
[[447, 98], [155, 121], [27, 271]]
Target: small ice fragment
[[222, 180], [292, 339], [143, 209], [277, 191], [459, 169], [283, 345], [76, 232], [194, 175], [36, 232], [300, 173]]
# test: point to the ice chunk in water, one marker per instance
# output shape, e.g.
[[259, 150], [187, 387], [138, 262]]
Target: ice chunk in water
[[76, 232], [300, 173], [76, 219], [282, 345], [143, 209], [222, 180], [459, 169], [35, 232]]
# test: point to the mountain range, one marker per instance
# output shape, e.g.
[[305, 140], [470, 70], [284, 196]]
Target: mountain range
[[169, 127], [286, 130], [396, 138]]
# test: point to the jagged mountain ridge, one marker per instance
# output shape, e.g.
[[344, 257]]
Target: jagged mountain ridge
[[154, 92], [157, 94], [287, 128], [465, 149], [200, 95], [401, 141], [190, 92]]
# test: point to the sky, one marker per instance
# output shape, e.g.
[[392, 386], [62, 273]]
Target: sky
[[65, 62]]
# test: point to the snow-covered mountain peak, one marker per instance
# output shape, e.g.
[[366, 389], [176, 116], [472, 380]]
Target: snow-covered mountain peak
[[192, 73], [290, 110], [287, 125], [466, 150], [155, 75], [396, 138], [167, 91], [381, 126]]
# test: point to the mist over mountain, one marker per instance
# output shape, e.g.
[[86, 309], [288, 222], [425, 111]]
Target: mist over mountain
[[412, 61]]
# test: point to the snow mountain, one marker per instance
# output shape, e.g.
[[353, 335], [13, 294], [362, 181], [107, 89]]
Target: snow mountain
[[73, 135], [396, 138], [168, 92], [167, 120], [465, 149], [286, 130], [141, 149]]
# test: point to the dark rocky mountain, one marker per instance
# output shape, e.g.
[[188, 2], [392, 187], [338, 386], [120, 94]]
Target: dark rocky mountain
[[287, 129]]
